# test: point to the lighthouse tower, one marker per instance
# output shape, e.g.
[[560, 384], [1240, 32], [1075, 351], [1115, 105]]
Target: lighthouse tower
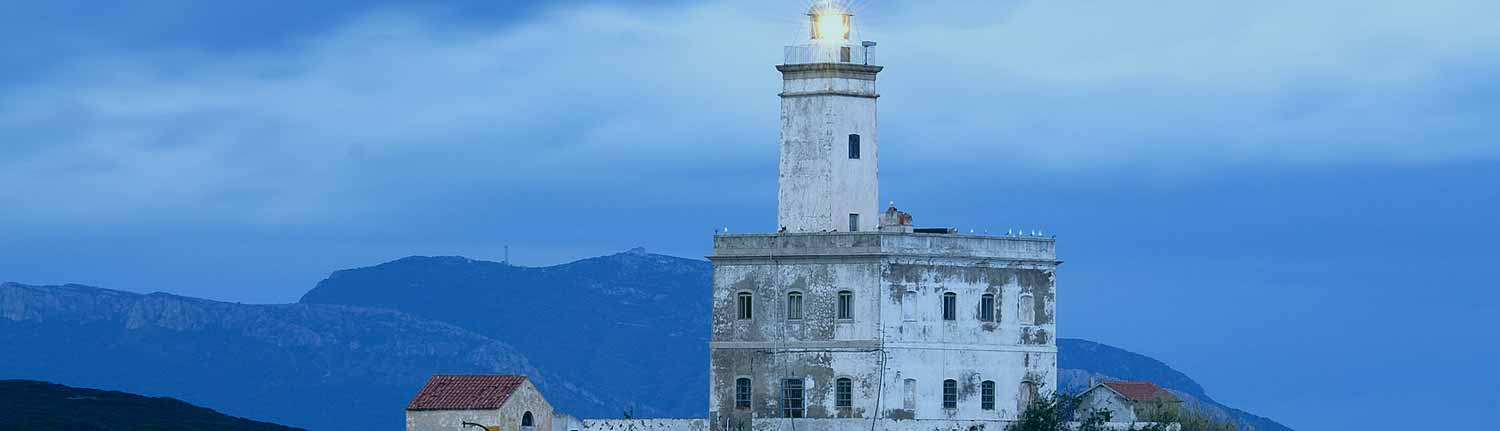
[[828, 178]]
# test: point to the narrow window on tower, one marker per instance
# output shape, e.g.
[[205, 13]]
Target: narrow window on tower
[[854, 146], [950, 306], [846, 305], [845, 53], [794, 306], [854, 222], [987, 395], [843, 395], [791, 398], [950, 394], [987, 307], [745, 305], [1027, 312]]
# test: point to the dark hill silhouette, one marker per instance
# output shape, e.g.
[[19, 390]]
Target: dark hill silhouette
[[42, 406], [324, 367]]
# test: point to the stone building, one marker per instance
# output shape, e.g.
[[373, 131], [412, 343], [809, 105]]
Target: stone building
[[842, 321], [1127, 402], [499, 402]]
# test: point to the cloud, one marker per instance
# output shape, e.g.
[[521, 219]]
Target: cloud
[[403, 108]]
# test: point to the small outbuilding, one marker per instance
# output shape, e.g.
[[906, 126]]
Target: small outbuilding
[[454, 402], [1127, 401]]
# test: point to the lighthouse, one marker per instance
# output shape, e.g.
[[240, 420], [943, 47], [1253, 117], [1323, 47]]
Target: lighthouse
[[829, 176], [848, 317]]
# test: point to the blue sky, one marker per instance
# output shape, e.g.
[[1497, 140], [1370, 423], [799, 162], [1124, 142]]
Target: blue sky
[[1293, 203]]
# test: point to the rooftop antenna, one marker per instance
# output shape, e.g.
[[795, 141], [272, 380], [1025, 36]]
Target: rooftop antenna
[[867, 44]]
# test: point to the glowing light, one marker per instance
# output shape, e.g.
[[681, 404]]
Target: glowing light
[[830, 23]]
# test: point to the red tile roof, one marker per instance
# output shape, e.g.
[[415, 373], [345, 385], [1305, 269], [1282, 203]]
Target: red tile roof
[[1142, 391], [465, 392]]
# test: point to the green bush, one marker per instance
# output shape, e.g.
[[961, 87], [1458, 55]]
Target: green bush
[[1052, 413], [1193, 418]]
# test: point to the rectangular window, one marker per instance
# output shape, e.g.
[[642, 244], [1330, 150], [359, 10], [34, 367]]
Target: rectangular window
[[950, 394], [909, 400], [854, 146], [843, 391], [987, 307], [845, 54], [909, 306], [742, 393], [745, 306], [791, 398], [1028, 310], [950, 306], [846, 305], [794, 306], [987, 395], [854, 222]]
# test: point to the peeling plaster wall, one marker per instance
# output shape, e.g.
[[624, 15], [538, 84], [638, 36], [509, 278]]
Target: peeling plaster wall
[[448, 420], [881, 346], [1121, 409]]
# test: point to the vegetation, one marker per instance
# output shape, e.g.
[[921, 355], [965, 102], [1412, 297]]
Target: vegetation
[[1193, 418], [42, 406], [1053, 412]]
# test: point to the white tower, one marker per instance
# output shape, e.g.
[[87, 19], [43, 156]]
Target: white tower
[[828, 176]]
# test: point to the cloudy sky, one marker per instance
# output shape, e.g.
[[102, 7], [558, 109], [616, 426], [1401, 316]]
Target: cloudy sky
[[1293, 202]]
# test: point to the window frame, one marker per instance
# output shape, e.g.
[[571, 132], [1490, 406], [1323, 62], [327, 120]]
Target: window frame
[[987, 395], [743, 393], [845, 305], [909, 306], [794, 305], [950, 306], [843, 394], [1026, 309], [950, 394], [787, 411], [987, 307], [745, 305], [855, 146], [854, 222]]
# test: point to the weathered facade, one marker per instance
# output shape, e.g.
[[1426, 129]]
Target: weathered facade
[[839, 321]]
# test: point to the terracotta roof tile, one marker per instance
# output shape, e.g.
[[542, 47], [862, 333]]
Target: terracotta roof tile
[[465, 392], [1142, 391]]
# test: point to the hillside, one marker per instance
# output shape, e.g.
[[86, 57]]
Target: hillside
[[590, 319], [323, 367], [631, 324], [42, 406], [601, 335]]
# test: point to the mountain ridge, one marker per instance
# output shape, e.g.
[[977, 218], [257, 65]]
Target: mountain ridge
[[274, 362], [598, 313]]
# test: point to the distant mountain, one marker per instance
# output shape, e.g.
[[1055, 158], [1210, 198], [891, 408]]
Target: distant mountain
[[324, 367], [42, 406], [599, 336], [633, 324], [636, 324]]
